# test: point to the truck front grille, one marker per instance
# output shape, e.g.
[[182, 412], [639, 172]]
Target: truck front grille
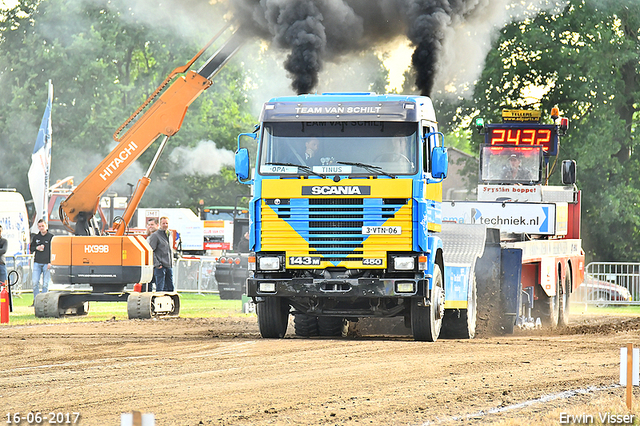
[[331, 227]]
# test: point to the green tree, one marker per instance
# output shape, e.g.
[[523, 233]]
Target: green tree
[[585, 59], [105, 58]]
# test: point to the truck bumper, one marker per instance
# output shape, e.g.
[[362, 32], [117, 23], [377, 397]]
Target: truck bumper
[[342, 288]]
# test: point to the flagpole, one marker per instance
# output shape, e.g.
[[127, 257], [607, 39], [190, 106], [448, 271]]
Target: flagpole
[[41, 164], [47, 180]]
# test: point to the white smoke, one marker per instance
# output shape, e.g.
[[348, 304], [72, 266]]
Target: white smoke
[[204, 159], [467, 41]]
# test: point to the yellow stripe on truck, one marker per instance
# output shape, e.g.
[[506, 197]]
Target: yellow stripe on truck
[[278, 235], [380, 188]]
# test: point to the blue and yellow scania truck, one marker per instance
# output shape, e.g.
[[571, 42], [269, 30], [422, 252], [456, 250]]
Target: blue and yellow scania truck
[[345, 219]]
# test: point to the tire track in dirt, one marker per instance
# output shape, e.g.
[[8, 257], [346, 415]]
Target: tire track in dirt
[[218, 371]]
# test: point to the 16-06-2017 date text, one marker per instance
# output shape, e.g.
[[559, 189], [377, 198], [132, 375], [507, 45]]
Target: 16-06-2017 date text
[[39, 418]]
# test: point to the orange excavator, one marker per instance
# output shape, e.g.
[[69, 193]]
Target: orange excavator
[[99, 267]]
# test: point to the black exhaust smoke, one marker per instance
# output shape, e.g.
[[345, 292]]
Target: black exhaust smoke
[[315, 31]]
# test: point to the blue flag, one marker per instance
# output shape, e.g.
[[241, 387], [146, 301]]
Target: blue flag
[[41, 165]]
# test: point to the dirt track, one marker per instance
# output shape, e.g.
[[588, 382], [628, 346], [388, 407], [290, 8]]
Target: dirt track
[[219, 371]]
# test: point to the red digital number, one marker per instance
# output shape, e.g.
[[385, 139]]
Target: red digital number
[[531, 139], [514, 139], [498, 140], [544, 140], [523, 136]]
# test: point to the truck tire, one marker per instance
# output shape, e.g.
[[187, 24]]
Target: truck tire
[[461, 323], [426, 321], [330, 326], [305, 325], [547, 308], [563, 319], [273, 317]]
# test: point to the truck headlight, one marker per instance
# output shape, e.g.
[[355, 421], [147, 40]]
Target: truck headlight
[[269, 263], [404, 263]]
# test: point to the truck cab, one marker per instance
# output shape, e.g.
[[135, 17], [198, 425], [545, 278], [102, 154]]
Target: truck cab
[[345, 213]]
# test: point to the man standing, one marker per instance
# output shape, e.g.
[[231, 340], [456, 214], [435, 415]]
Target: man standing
[[152, 226], [3, 249], [160, 242], [41, 246]]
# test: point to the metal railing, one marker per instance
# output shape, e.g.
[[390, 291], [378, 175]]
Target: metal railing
[[610, 283], [196, 275], [23, 265]]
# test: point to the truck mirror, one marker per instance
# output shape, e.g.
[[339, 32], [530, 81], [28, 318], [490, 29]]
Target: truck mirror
[[568, 172], [439, 162], [242, 164]]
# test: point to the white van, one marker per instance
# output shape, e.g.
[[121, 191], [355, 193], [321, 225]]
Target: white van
[[14, 221], [15, 228]]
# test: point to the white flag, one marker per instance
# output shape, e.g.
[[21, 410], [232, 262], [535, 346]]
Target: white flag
[[41, 165]]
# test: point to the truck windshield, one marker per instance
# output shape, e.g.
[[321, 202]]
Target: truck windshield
[[507, 164], [386, 147]]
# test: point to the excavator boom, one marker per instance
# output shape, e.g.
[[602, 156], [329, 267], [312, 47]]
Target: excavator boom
[[163, 116], [108, 263]]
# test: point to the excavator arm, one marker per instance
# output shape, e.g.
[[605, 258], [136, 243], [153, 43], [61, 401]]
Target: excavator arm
[[108, 263], [164, 115]]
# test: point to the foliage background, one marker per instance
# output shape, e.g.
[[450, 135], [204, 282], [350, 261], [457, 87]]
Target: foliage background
[[583, 58]]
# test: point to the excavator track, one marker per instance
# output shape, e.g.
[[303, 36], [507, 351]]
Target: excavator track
[[56, 304], [148, 305]]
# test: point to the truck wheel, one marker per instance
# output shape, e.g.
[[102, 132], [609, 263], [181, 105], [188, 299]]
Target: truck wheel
[[273, 317], [426, 321], [461, 323], [563, 319], [305, 325], [548, 307], [330, 326]]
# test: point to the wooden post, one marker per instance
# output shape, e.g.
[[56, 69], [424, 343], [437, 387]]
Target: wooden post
[[629, 374]]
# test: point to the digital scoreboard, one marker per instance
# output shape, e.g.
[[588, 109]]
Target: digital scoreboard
[[524, 134]]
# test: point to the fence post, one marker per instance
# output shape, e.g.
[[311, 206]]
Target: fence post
[[629, 370]]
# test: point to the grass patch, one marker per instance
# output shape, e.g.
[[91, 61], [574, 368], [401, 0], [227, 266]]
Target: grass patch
[[616, 310], [191, 306], [608, 310]]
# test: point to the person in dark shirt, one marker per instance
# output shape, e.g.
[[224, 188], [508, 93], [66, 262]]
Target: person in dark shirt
[[243, 244], [161, 244], [4, 245], [311, 154], [41, 247], [514, 170], [152, 226]]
